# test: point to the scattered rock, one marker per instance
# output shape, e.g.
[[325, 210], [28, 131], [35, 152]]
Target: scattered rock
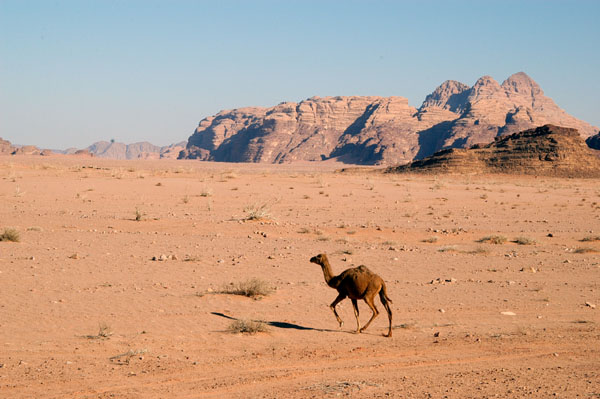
[[590, 305], [508, 313]]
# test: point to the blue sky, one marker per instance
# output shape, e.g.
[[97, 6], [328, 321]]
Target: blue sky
[[76, 72]]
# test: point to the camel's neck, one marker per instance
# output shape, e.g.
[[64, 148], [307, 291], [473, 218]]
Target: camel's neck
[[327, 272]]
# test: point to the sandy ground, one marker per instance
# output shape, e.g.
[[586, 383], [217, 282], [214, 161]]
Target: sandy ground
[[83, 261]]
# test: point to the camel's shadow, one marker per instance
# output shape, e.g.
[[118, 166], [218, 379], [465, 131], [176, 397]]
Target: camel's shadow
[[280, 324]]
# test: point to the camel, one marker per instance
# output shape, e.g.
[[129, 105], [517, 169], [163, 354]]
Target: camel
[[356, 283]]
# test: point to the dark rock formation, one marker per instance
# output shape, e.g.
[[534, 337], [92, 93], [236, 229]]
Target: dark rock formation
[[594, 141], [545, 151]]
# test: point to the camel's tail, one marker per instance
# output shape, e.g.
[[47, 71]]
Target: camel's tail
[[383, 294]]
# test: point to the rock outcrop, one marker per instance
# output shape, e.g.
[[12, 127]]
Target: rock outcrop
[[141, 150], [6, 147], [544, 151], [378, 130], [594, 141]]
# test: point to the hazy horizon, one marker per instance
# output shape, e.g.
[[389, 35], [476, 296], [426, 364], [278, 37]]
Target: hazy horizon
[[74, 73]]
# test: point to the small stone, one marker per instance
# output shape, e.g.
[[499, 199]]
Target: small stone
[[436, 334], [74, 256], [590, 305], [441, 311], [550, 235], [173, 257], [162, 257], [508, 313]]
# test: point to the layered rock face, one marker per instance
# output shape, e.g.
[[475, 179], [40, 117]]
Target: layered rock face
[[378, 130], [544, 151]]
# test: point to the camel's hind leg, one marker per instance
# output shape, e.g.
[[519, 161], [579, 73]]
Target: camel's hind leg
[[355, 306], [386, 305], [339, 299], [369, 300]]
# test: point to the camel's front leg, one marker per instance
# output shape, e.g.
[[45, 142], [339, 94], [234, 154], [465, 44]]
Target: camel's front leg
[[339, 299]]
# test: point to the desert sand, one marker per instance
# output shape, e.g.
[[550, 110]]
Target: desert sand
[[471, 319]]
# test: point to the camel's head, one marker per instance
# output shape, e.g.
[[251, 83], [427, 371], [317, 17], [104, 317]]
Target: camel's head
[[320, 259]]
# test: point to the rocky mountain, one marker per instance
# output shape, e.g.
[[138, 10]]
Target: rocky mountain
[[142, 150], [6, 148], [548, 150], [378, 130]]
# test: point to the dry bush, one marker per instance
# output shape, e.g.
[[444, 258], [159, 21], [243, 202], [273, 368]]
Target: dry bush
[[252, 288], [257, 211], [104, 332], [448, 248], [10, 235], [478, 250], [138, 214], [206, 192], [493, 239], [247, 327], [525, 241], [590, 238], [431, 240], [584, 250]]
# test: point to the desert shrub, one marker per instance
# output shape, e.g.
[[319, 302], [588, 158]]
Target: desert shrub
[[10, 235], [584, 250], [138, 214], [431, 240], [247, 327], [590, 238], [478, 250], [525, 241], [104, 332], [251, 288], [448, 248], [495, 239], [206, 192], [257, 212]]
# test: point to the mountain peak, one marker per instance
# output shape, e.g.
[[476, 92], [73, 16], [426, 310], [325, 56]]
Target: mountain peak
[[449, 95], [520, 82], [486, 81]]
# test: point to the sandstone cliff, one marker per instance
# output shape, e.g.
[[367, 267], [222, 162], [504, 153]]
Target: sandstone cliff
[[378, 130], [545, 151]]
